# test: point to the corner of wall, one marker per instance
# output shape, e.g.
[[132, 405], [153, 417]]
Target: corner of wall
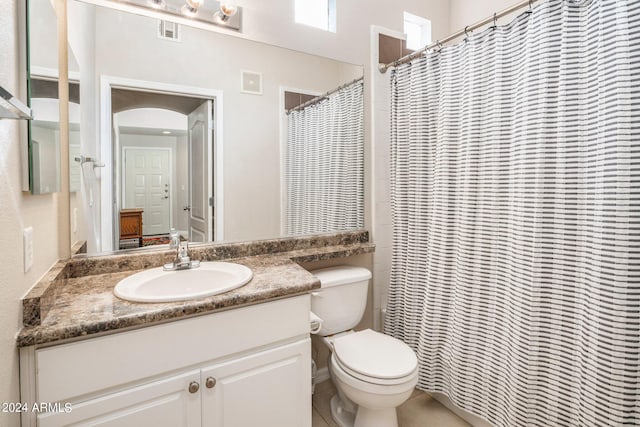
[[17, 211]]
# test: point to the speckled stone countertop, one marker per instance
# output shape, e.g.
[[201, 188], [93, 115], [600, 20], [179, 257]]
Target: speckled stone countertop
[[69, 305]]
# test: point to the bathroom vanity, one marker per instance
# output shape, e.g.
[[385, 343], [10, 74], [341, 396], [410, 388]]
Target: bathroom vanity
[[236, 359], [244, 367]]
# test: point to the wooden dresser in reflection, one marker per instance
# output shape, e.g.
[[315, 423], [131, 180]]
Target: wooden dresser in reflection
[[131, 228]]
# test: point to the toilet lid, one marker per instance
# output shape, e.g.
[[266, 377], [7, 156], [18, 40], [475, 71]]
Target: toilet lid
[[375, 355]]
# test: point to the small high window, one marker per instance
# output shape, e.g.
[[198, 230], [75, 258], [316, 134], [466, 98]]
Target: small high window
[[316, 13], [418, 31]]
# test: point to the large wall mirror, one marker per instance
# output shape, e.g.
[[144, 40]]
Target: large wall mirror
[[198, 131]]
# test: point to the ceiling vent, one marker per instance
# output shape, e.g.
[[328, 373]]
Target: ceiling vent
[[169, 31], [251, 82]]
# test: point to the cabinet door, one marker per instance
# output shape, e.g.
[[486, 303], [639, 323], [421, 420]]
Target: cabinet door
[[163, 403], [271, 388]]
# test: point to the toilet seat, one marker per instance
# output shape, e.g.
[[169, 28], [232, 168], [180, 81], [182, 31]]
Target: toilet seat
[[375, 358], [372, 385]]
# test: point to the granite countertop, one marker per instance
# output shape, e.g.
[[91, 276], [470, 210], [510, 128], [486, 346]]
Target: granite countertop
[[83, 306], [86, 305]]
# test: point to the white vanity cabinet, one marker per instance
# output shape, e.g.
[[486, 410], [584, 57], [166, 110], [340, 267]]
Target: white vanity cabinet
[[165, 402], [263, 389], [243, 367]]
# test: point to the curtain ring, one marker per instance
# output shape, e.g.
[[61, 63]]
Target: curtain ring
[[439, 45], [466, 34], [530, 6], [495, 21]]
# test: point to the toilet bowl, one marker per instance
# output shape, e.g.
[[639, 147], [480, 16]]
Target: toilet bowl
[[373, 372]]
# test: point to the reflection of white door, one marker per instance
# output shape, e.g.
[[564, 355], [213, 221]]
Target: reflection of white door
[[200, 174], [146, 180]]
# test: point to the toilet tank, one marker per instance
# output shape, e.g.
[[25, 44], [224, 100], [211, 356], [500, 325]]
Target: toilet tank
[[342, 298]]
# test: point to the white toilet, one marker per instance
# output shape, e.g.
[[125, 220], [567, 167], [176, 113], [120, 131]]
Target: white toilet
[[373, 372]]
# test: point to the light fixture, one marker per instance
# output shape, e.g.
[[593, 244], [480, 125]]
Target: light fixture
[[220, 13], [226, 11], [191, 7], [157, 4]]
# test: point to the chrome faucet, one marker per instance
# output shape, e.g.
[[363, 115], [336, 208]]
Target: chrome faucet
[[182, 261], [175, 239]]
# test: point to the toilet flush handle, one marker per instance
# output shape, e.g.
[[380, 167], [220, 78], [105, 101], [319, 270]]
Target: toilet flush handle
[[316, 294]]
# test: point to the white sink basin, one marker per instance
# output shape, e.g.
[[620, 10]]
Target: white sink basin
[[157, 285]]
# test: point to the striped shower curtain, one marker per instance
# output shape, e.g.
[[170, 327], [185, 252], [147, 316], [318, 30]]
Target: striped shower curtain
[[324, 164], [515, 159]]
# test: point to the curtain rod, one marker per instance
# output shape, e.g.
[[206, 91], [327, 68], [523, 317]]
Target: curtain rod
[[323, 96], [384, 67]]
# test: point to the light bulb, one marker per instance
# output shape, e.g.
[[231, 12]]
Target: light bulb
[[226, 11], [157, 4], [191, 8]]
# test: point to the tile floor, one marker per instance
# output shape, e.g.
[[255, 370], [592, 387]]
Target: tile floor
[[421, 410]]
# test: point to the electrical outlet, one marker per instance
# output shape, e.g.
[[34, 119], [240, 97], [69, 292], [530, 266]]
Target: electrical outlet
[[27, 235]]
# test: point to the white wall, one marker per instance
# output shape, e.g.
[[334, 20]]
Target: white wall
[[153, 118], [465, 12], [45, 158], [381, 229], [17, 210], [181, 220], [272, 22], [82, 46], [43, 40]]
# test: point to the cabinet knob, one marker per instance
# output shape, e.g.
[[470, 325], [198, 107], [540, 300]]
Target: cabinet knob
[[211, 382], [194, 387]]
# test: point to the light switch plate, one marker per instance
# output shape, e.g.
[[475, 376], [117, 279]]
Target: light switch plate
[[27, 235]]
